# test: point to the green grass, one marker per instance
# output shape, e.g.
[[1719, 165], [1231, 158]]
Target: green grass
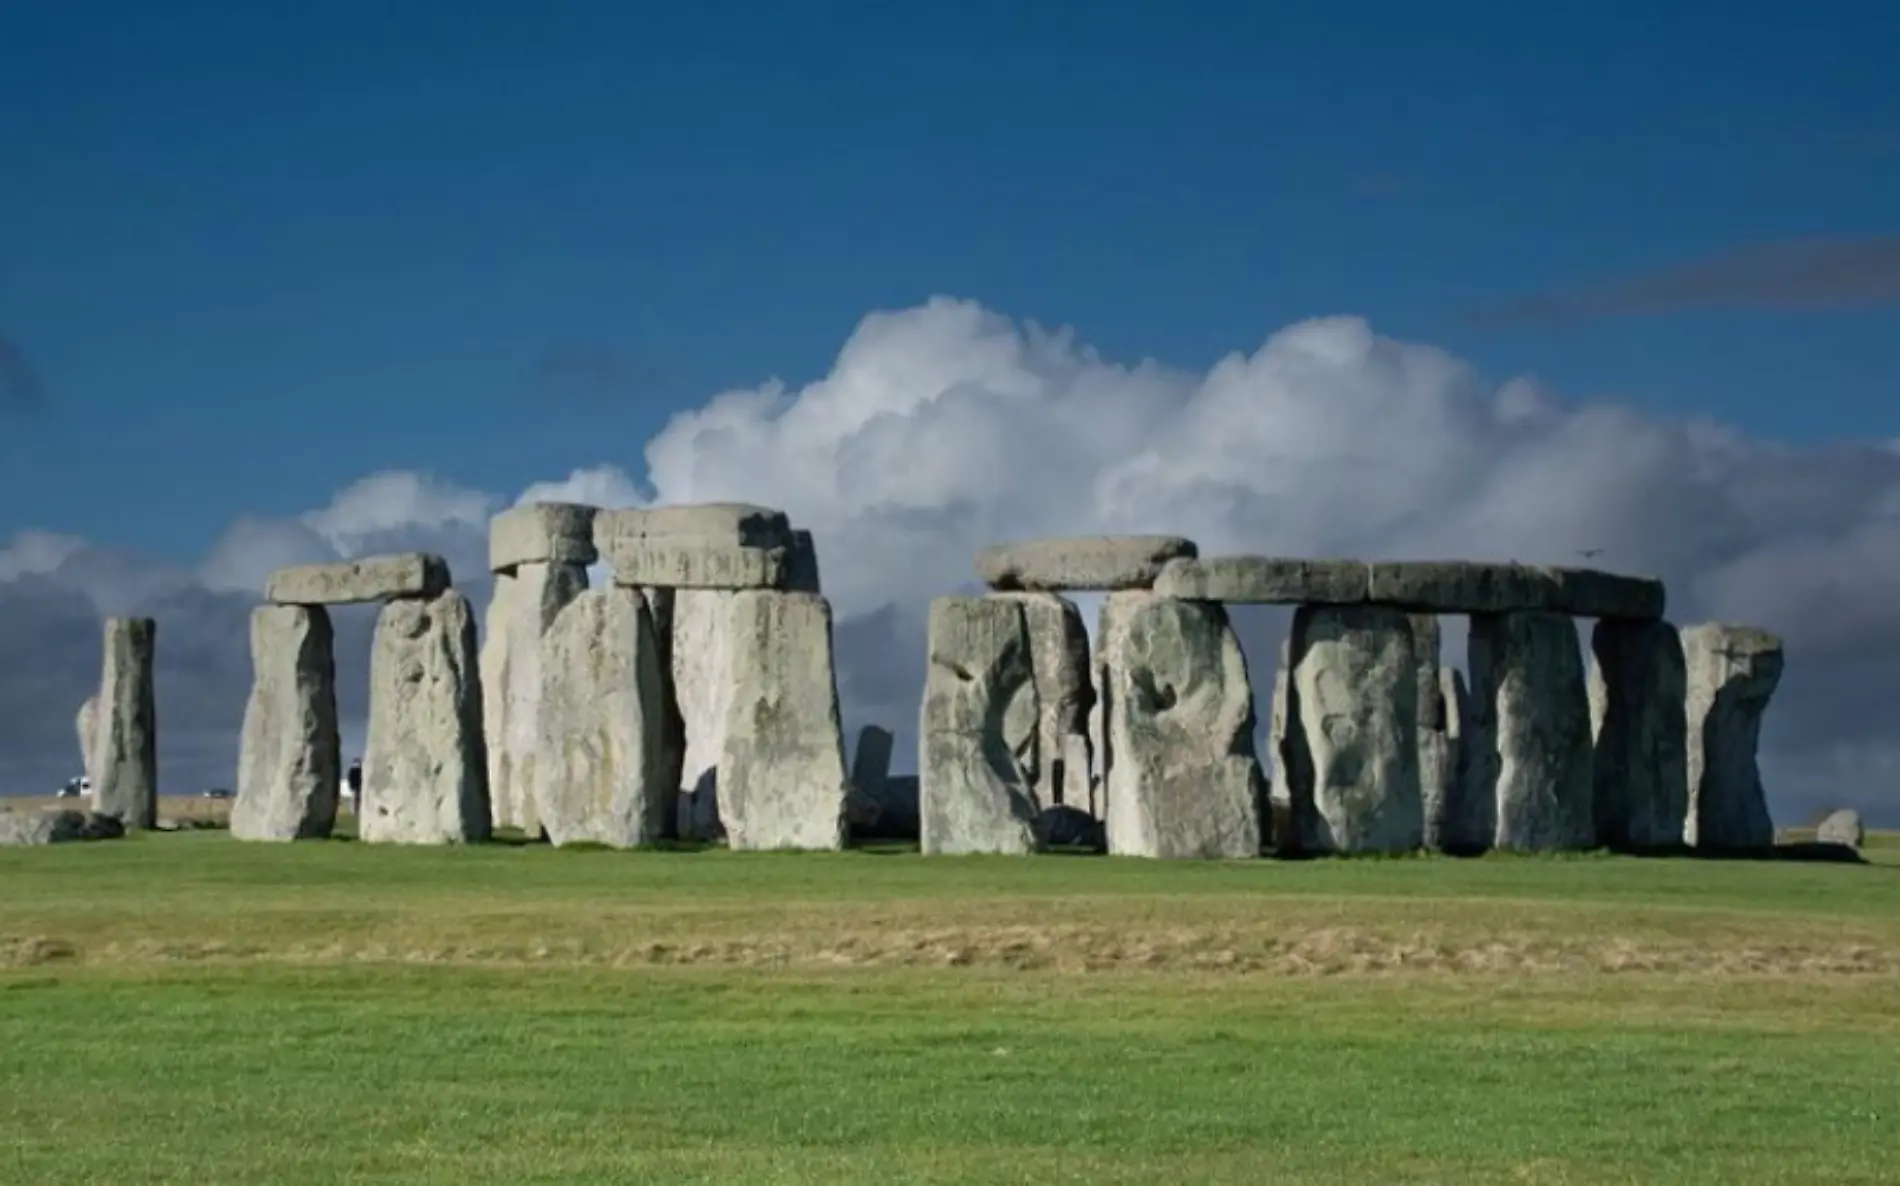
[[186, 1008]]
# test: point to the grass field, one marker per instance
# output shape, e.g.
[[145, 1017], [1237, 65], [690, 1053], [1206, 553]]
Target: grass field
[[185, 1008]]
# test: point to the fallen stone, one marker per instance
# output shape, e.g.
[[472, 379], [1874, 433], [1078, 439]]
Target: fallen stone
[[1842, 827], [1530, 743], [125, 738], [1463, 587], [542, 533], [425, 765], [701, 665], [524, 605], [1059, 658], [375, 578], [1071, 827], [1183, 780], [782, 780], [599, 778], [1352, 736], [978, 730], [1264, 580], [27, 828], [1732, 672], [1638, 702], [289, 760], [1106, 562]]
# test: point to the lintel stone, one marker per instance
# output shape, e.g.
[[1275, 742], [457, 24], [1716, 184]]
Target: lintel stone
[[1265, 580], [1463, 587], [542, 533], [420, 575], [1104, 562]]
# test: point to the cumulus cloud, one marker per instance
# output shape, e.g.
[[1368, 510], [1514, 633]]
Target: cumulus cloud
[[947, 426]]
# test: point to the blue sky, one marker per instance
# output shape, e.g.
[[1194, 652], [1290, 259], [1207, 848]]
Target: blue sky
[[256, 251]]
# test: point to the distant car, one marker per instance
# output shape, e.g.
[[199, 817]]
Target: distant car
[[217, 793], [74, 788]]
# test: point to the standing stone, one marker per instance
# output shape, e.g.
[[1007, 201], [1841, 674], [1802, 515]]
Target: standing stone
[[1638, 706], [1111, 622], [978, 730], [1732, 671], [88, 726], [523, 608], [125, 727], [701, 660], [1531, 746], [599, 777], [1461, 822], [871, 764], [1077, 789], [1352, 745], [782, 781], [1435, 747], [672, 726], [425, 766], [289, 759], [1183, 780], [1059, 657], [1279, 789]]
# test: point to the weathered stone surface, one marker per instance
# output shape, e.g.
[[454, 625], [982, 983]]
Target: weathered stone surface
[[1732, 672], [26, 828], [1077, 780], [736, 524], [289, 761], [1459, 820], [1111, 622], [425, 766], [125, 738], [1352, 737], [1463, 587], [1279, 789], [782, 780], [1183, 780], [542, 533], [1435, 746], [701, 663], [88, 727], [1265, 580], [1638, 705], [1530, 743], [1106, 562], [373, 578], [1059, 658], [1842, 827], [682, 563], [801, 564], [524, 606], [599, 777], [704, 546], [979, 730]]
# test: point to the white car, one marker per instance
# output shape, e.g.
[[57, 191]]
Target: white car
[[75, 788]]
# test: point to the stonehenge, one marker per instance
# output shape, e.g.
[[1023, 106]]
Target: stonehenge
[[120, 750], [695, 697]]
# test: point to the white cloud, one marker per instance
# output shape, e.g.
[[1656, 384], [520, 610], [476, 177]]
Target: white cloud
[[945, 427]]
